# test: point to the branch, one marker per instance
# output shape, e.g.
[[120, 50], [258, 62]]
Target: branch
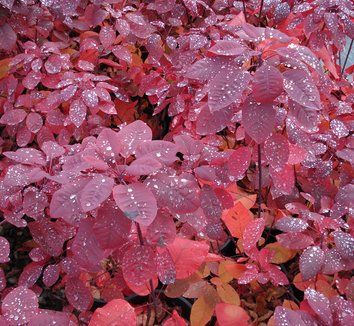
[[346, 58]]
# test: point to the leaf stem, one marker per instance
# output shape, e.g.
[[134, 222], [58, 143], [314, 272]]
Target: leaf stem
[[244, 10], [260, 12], [259, 180], [346, 58]]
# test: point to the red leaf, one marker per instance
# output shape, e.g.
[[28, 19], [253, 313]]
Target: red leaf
[[258, 120], [111, 227], [32, 79], [230, 315], [301, 88], [267, 84], [115, 312], [227, 88], [311, 262], [85, 248], [276, 150], [122, 53], [78, 294], [51, 317], [175, 320], [252, 233], [19, 306], [165, 267], [284, 179], [138, 265], [187, 255], [137, 202]]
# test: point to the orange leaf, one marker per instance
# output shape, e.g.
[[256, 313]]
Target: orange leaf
[[228, 294], [203, 308], [248, 200], [230, 270], [231, 315], [281, 254], [188, 256], [175, 320], [237, 219], [4, 67]]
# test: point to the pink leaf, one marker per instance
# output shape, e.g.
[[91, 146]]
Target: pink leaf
[[107, 36], [122, 53], [227, 88], [27, 156], [188, 256], [286, 317], [276, 150], [115, 312], [50, 275], [305, 118], [138, 265], [143, 166], [13, 117], [32, 79], [252, 233], [267, 84], [319, 304], [162, 231], [77, 112], [179, 193], [34, 122], [311, 262], [108, 143], [210, 204], [19, 306], [4, 250], [90, 98], [258, 120], [65, 202], [8, 36], [344, 244], [131, 135], [228, 48], [284, 180], [137, 202], [96, 192], [206, 68], [163, 151], [22, 175], [301, 88], [52, 149], [2, 282], [78, 294], [239, 162], [30, 274], [294, 240], [51, 317], [290, 224]]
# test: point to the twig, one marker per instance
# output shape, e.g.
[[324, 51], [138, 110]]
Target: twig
[[259, 179], [346, 58]]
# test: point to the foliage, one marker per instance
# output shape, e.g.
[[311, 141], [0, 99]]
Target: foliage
[[176, 149]]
